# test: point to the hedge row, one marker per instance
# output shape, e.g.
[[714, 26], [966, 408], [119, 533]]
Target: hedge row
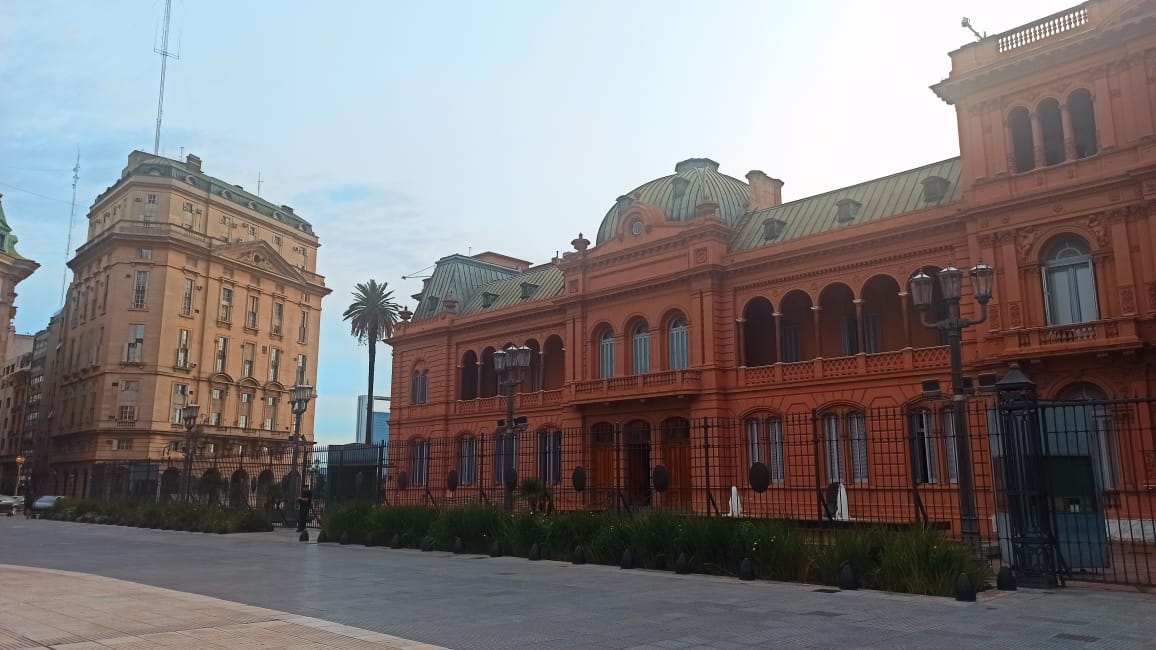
[[916, 560], [190, 517]]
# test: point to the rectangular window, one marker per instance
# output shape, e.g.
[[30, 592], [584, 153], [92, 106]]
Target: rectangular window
[[104, 296], [274, 364], [923, 451], [270, 413], [550, 457], [792, 346], [180, 399], [467, 461], [247, 352], [183, 349], [126, 413], [216, 406], [754, 444], [302, 363], [251, 314], [679, 346], [134, 349], [151, 199], [857, 424], [303, 330], [278, 317], [144, 253], [950, 442], [606, 356], [124, 444], [225, 312], [505, 456], [221, 363], [140, 289], [641, 351], [832, 447], [187, 298], [246, 410], [778, 453]]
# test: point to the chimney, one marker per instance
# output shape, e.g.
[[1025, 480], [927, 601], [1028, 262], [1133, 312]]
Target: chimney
[[766, 192], [193, 163]]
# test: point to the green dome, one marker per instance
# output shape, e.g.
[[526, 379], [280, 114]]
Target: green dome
[[677, 195]]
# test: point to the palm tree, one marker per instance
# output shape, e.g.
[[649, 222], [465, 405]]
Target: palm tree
[[372, 316]]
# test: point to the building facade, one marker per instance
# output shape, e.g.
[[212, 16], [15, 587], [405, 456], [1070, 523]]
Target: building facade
[[380, 419], [15, 380], [706, 298], [188, 290]]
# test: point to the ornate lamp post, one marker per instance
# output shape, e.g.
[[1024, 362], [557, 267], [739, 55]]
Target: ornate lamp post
[[951, 286], [509, 364], [299, 396], [19, 474], [189, 415]]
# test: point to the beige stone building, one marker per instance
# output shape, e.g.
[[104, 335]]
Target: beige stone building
[[187, 290], [14, 269]]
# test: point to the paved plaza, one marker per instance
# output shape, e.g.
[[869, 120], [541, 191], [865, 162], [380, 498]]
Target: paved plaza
[[469, 601]]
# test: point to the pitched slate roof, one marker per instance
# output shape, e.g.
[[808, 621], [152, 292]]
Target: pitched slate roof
[[547, 281], [459, 277], [878, 199]]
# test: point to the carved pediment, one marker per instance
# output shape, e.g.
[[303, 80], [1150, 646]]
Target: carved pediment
[[260, 255]]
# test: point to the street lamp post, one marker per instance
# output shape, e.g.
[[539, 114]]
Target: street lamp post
[[299, 396], [189, 415], [951, 286], [508, 364]]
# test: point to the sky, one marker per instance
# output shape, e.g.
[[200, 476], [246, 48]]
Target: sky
[[408, 131]]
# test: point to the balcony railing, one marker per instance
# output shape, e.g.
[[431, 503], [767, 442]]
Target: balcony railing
[[1043, 28], [1079, 337], [856, 366], [670, 382], [497, 403]]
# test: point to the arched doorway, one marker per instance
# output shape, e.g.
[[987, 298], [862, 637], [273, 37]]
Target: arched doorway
[[838, 322], [636, 462], [468, 386], [170, 485], [883, 330], [266, 494], [239, 489], [676, 457], [797, 336], [488, 379], [210, 487], [553, 363], [533, 378], [759, 346]]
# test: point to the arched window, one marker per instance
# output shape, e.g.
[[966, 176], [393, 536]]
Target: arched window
[[1023, 142], [640, 349], [765, 445], [419, 387], [1083, 116], [845, 438], [467, 460], [505, 456], [927, 428], [1069, 283], [418, 462], [550, 457], [1052, 131], [606, 354], [678, 344], [1089, 426]]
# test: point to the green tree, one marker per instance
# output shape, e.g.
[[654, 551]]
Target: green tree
[[372, 316]]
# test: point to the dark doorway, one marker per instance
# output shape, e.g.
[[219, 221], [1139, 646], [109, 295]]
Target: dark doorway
[[636, 462]]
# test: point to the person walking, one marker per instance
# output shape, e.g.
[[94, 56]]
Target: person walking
[[304, 504]]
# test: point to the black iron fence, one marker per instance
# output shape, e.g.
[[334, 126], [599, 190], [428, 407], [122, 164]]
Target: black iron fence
[[1060, 490], [262, 480]]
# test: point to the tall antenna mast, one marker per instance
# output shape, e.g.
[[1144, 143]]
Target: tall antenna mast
[[165, 56], [71, 225]]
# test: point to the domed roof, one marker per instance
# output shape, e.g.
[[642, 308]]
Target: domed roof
[[678, 194]]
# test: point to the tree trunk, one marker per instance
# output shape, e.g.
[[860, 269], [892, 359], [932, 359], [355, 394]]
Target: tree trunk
[[369, 402]]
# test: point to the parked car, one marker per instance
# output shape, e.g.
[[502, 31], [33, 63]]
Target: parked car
[[45, 503], [8, 505]]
